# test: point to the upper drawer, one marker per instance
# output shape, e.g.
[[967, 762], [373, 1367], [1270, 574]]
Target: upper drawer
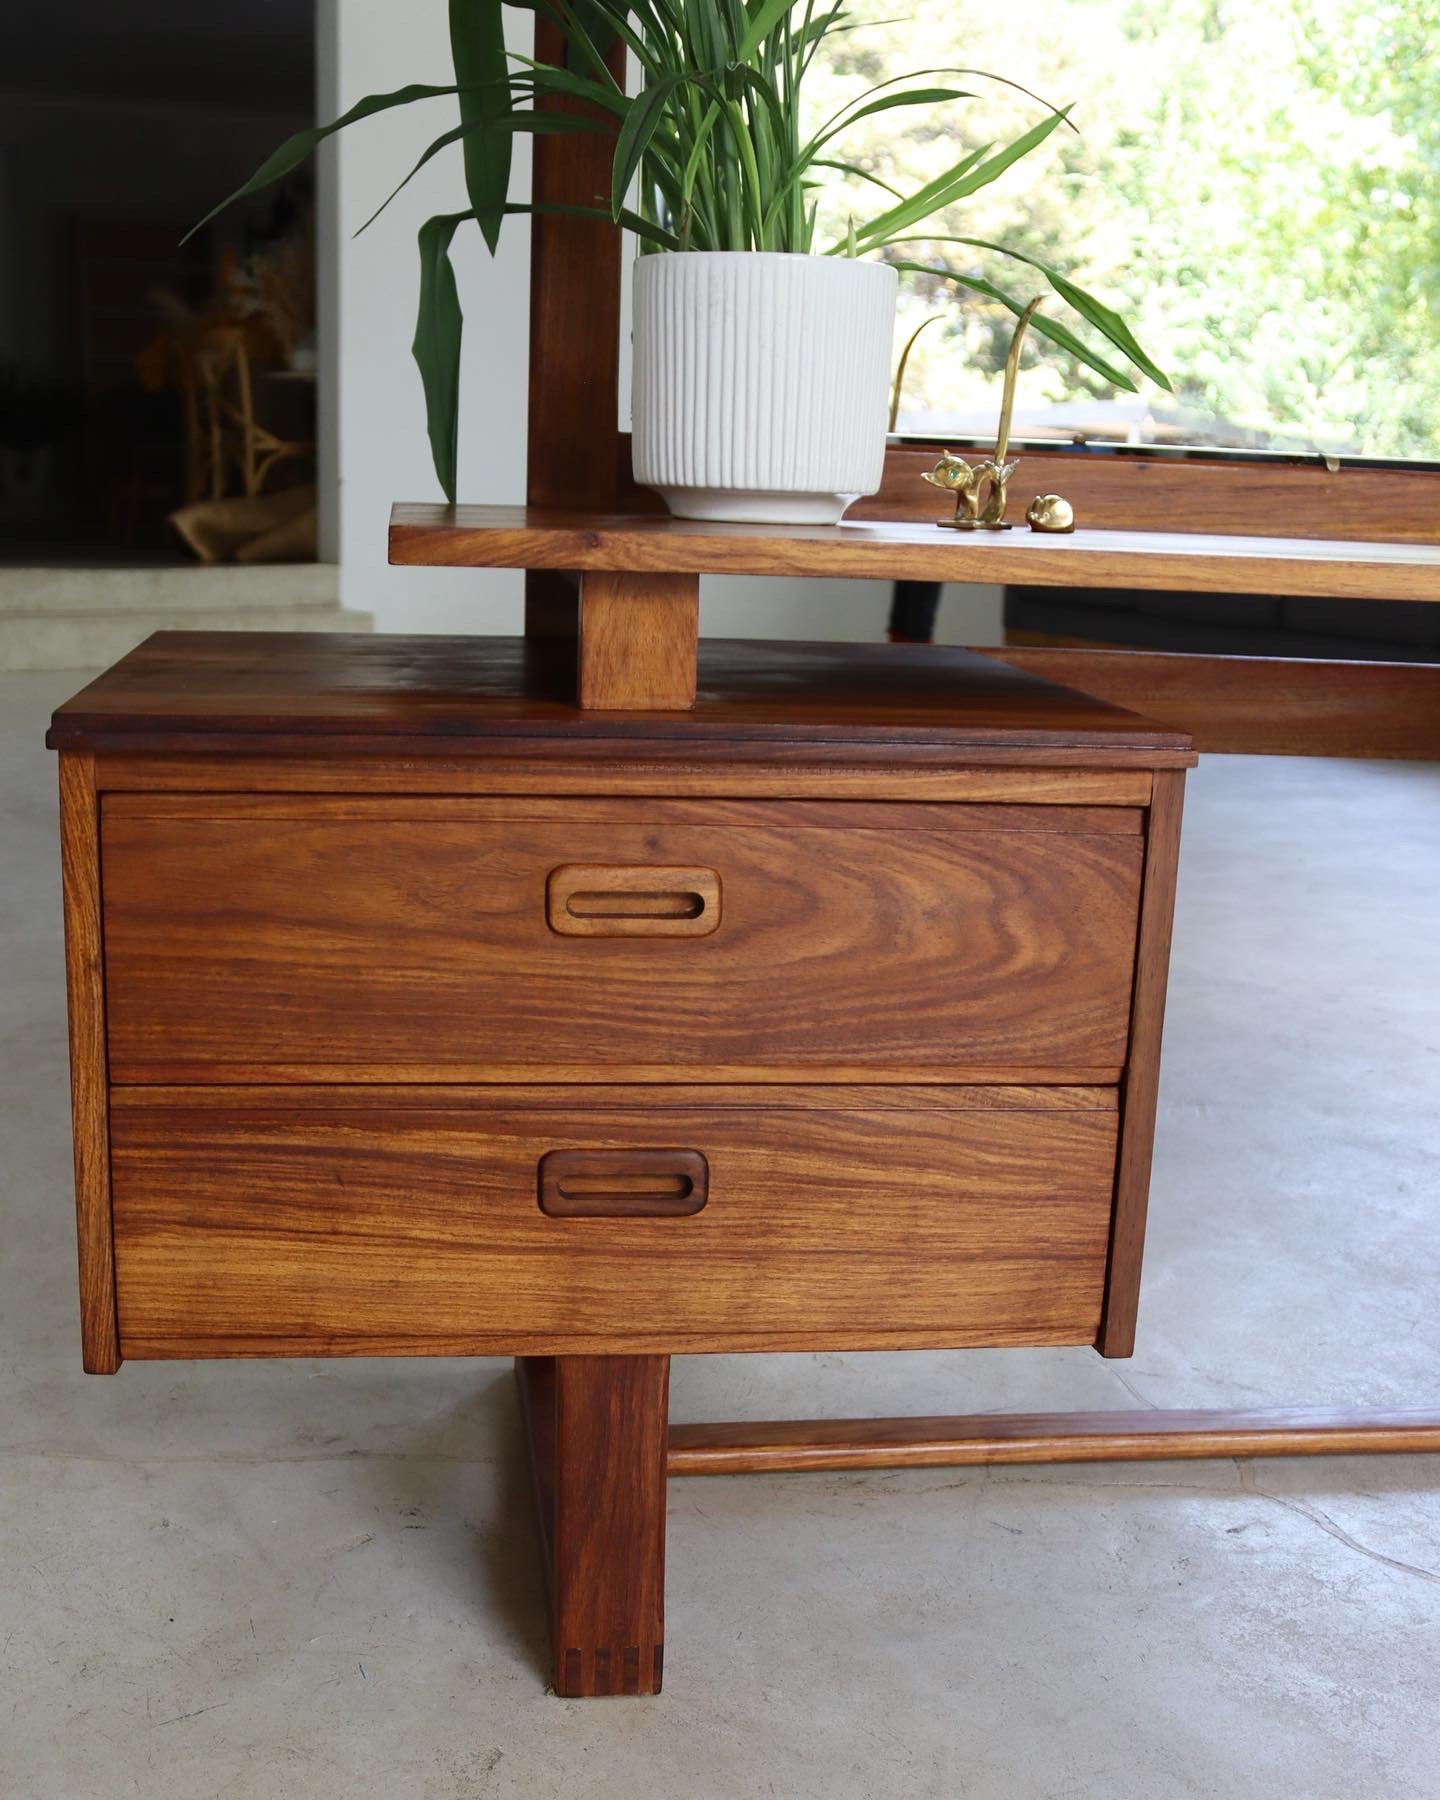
[[467, 940]]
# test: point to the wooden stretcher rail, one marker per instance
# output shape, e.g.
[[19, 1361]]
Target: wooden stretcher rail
[[1135, 1436]]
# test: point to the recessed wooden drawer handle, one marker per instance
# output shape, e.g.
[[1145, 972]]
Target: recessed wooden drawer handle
[[623, 1184], [632, 900]]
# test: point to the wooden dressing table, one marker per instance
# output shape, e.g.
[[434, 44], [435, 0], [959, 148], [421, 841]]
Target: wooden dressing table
[[592, 998], [777, 997]]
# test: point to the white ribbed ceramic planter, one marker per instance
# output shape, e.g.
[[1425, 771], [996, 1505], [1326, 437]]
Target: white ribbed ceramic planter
[[761, 382]]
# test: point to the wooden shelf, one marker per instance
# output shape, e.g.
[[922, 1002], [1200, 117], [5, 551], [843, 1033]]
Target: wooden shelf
[[518, 537]]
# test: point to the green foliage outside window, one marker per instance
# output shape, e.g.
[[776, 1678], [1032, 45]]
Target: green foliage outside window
[[1255, 186]]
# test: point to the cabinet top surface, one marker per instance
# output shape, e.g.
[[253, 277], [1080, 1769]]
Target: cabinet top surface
[[275, 691], [520, 537]]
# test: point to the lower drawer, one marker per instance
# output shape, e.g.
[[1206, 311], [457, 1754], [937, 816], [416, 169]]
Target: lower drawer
[[310, 1221]]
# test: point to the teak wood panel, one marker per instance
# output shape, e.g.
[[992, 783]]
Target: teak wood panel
[[1139, 490], [572, 440], [314, 694], [89, 1097], [572, 446], [638, 642], [1196, 496], [341, 1224], [1140, 1085], [1258, 705], [517, 537], [374, 942], [643, 774]]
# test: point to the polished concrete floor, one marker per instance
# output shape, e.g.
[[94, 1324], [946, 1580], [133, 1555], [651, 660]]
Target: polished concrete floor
[[313, 1579]]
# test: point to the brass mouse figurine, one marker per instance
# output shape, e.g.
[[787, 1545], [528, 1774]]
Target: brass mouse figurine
[[1048, 512]]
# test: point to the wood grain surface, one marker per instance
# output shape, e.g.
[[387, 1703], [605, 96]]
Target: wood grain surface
[[1118, 488], [597, 1431], [771, 1447], [808, 772], [572, 441], [252, 1097], [515, 537], [378, 942], [572, 445], [638, 638], [306, 693], [1260, 705], [342, 1223], [1199, 495], [608, 1630], [1139, 1090], [723, 813], [89, 1097]]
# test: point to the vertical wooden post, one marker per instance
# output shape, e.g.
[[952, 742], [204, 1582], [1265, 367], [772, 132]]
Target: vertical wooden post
[[1141, 1086], [89, 1086], [598, 1429], [638, 642], [573, 446]]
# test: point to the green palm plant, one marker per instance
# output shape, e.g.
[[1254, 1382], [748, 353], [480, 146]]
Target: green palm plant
[[712, 145]]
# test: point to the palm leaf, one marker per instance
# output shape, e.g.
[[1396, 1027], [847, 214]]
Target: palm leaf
[[1051, 328], [645, 229], [295, 149], [545, 78], [910, 97], [1104, 318], [845, 168], [919, 205], [541, 123], [436, 349], [762, 22], [977, 175], [641, 123], [477, 48]]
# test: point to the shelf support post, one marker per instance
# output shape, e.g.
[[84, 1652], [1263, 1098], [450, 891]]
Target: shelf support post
[[638, 642]]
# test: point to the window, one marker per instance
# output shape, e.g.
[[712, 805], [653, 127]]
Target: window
[[1255, 185]]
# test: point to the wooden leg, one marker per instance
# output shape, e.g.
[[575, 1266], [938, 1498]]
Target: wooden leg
[[638, 640], [597, 1427]]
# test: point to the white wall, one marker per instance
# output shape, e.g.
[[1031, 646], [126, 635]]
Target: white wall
[[371, 392], [846, 611]]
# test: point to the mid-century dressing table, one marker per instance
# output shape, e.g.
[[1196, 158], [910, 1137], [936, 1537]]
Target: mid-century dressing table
[[593, 998], [608, 993]]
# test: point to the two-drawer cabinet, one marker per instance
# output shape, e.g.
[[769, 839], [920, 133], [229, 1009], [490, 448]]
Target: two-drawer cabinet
[[416, 1013], [312, 1004]]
